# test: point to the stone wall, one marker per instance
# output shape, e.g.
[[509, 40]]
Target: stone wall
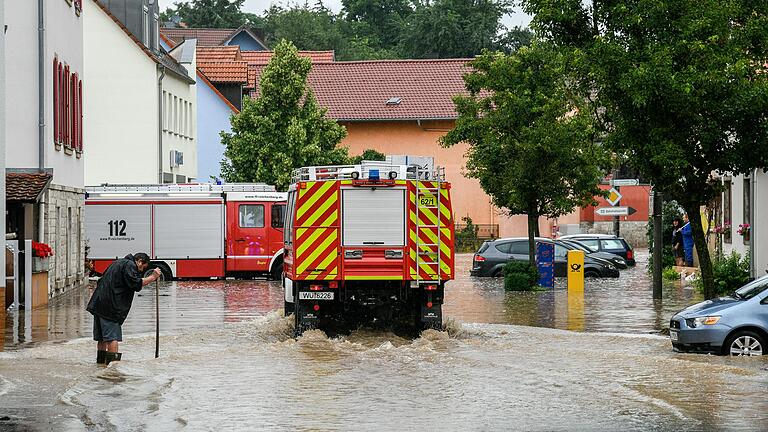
[[635, 233], [65, 233]]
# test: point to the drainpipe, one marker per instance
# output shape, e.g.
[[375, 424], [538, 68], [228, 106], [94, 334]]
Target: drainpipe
[[160, 125], [2, 141], [41, 85]]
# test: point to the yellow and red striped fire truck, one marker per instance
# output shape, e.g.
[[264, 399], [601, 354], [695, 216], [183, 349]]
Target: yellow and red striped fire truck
[[367, 242]]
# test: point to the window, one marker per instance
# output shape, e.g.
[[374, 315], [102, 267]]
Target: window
[[251, 216], [503, 247], [747, 207], [145, 27], [727, 210], [612, 244], [591, 243], [287, 235], [560, 251], [519, 248], [278, 215]]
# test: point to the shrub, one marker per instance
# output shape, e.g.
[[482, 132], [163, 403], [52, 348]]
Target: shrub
[[520, 276], [730, 272], [670, 274]]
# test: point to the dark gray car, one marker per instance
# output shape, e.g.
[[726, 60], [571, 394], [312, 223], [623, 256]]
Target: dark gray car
[[614, 259], [489, 260], [606, 243]]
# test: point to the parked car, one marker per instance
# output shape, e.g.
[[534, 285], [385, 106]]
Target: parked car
[[489, 260], [614, 259], [736, 325], [606, 243]]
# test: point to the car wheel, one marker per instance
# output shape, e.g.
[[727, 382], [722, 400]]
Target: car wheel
[[591, 274], [744, 343]]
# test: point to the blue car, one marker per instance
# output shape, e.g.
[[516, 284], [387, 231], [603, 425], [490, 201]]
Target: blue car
[[736, 325]]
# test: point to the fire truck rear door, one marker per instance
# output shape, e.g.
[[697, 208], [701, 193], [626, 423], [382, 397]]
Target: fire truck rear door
[[248, 246]]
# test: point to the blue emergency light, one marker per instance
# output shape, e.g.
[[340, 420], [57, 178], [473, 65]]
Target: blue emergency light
[[373, 174]]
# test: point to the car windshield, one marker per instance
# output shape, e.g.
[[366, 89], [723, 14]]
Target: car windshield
[[752, 289]]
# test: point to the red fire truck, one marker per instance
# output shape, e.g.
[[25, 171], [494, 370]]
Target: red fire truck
[[188, 230], [367, 242]]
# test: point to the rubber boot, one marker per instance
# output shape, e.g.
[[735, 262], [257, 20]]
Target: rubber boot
[[112, 356], [101, 356]]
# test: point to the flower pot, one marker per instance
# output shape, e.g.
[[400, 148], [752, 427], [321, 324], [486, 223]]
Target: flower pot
[[39, 264]]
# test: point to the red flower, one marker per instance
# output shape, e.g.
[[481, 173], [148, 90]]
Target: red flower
[[41, 250]]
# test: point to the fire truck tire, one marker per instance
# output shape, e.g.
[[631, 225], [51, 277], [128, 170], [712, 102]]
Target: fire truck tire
[[277, 270], [167, 274], [289, 308]]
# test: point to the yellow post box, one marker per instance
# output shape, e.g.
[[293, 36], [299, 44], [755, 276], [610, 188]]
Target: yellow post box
[[575, 271]]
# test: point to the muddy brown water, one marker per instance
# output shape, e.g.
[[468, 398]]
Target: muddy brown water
[[507, 361]]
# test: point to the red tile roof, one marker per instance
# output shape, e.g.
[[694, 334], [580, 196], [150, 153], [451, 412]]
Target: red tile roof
[[225, 71], [25, 187], [204, 36], [219, 53], [359, 91], [263, 57]]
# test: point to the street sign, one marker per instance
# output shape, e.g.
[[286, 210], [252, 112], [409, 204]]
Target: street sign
[[613, 197], [615, 211], [625, 182]]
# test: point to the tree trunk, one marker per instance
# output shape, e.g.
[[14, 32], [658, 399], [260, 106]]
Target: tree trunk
[[533, 222], [705, 261]]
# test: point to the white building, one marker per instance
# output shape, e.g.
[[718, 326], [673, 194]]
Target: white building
[[140, 100], [44, 119], [745, 201]]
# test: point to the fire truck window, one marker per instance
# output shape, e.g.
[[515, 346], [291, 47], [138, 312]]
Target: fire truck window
[[289, 221], [251, 216], [278, 215]]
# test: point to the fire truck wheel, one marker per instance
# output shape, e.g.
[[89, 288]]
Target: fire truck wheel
[[288, 308], [166, 271], [277, 271]]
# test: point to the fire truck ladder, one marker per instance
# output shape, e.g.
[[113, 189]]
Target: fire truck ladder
[[423, 190]]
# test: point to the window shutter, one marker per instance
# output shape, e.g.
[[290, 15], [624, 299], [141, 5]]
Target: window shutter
[[60, 107], [66, 118], [80, 114], [73, 109], [55, 100]]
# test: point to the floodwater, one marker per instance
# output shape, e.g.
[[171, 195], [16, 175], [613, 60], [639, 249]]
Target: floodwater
[[507, 361]]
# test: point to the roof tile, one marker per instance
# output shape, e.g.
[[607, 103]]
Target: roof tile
[[204, 36], [219, 53], [358, 91], [225, 71], [25, 187], [263, 57]]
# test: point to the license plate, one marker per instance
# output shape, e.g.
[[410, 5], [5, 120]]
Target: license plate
[[318, 295], [673, 335]]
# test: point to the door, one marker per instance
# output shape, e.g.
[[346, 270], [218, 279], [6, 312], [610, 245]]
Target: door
[[276, 221], [247, 240]]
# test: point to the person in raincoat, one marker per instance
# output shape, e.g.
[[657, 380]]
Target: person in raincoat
[[687, 241], [111, 301]]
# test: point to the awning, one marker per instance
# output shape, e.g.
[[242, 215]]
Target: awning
[[26, 187]]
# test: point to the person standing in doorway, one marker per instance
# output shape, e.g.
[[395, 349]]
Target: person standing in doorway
[[677, 242], [111, 301], [687, 234]]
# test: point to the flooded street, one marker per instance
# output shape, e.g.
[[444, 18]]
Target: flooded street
[[507, 361]]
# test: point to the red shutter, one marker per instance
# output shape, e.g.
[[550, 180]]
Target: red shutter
[[55, 100], [66, 118], [80, 114], [60, 108], [73, 109]]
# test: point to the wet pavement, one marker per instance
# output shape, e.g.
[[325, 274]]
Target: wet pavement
[[505, 362]]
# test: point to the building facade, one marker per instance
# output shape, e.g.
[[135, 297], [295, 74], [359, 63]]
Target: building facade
[[142, 104], [46, 116], [745, 203]]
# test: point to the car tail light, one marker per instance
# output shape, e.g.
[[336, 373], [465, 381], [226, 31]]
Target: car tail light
[[316, 307], [630, 254], [333, 284], [430, 287], [315, 287], [479, 258], [429, 304]]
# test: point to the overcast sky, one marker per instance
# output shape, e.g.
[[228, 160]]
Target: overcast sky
[[259, 6]]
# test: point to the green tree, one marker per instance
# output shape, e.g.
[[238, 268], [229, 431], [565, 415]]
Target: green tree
[[378, 21], [307, 28], [370, 155], [531, 140], [515, 38], [682, 88], [210, 13], [283, 129], [452, 28]]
